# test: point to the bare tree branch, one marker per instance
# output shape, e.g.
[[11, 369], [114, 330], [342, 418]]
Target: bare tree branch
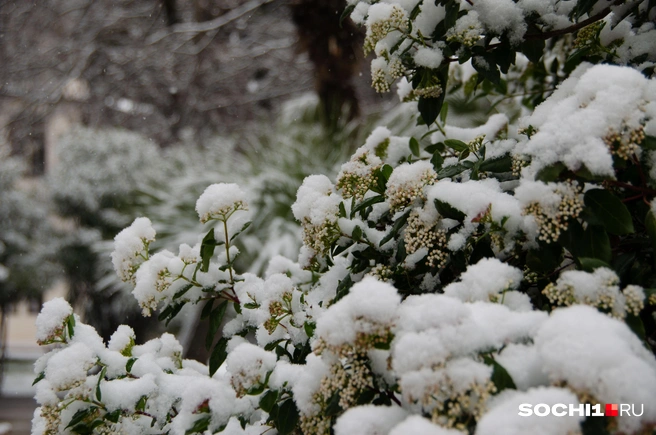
[[207, 26]]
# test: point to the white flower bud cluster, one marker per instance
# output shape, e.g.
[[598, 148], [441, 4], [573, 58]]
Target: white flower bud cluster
[[455, 411], [626, 142], [382, 273], [599, 289], [51, 418], [319, 237], [278, 310], [530, 276], [552, 221], [219, 201], [346, 379], [51, 322], [559, 295], [379, 76], [395, 19], [419, 235], [407, 183], [357, 176], [652, 299], [452, 403], [317, 208], [518, 163], [635, 299], [433, 91], [587, 35], [131, 248], [467, 31], [384, 70], [243, 380], [316, 424]]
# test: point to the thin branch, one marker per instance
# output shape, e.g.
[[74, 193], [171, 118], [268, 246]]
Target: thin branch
[[599, 16], [208, 25]]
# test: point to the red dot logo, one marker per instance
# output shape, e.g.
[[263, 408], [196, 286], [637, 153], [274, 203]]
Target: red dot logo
[[611, 410]]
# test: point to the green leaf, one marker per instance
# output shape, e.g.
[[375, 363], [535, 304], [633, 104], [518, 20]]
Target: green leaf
[[38, 378], [649, 142], [241, 230], [309, 328], [268, 399], [288, 417], [347, 11], [499, 164], [215, 322], [635, 323], [100, 378], [401, 253], [595, 426], [80, 415], [545, 259], [369, 202], [113, 416], [582, 7], [219, 355], [398, 224], [342, 210], [182, 291], [456, 144], [533, 48], [414, 146], [504, 56], [357, 233], [343, 287], [386, 170], [574, 59], [129, 364], [436, 148], [200, 425], [612, 212], [451, 171], [271, 346], [175, 309], [444, 112], [429, 109], [550, 173], [437, 160], [487, 70], [70, 323], [590, 264], [448, 211], [255, 390], [332, 407], [165, 313], [452, 9], [593, 242], [650, 225], [207, 250], [207, 309], [141, 403], [500, 376]]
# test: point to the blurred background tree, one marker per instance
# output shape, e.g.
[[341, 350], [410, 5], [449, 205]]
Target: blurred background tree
[[174, 71]]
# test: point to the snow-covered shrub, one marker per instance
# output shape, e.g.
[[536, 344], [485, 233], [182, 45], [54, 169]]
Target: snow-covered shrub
[[95, 182], [24, 270], [96, 172], [445, 278]]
